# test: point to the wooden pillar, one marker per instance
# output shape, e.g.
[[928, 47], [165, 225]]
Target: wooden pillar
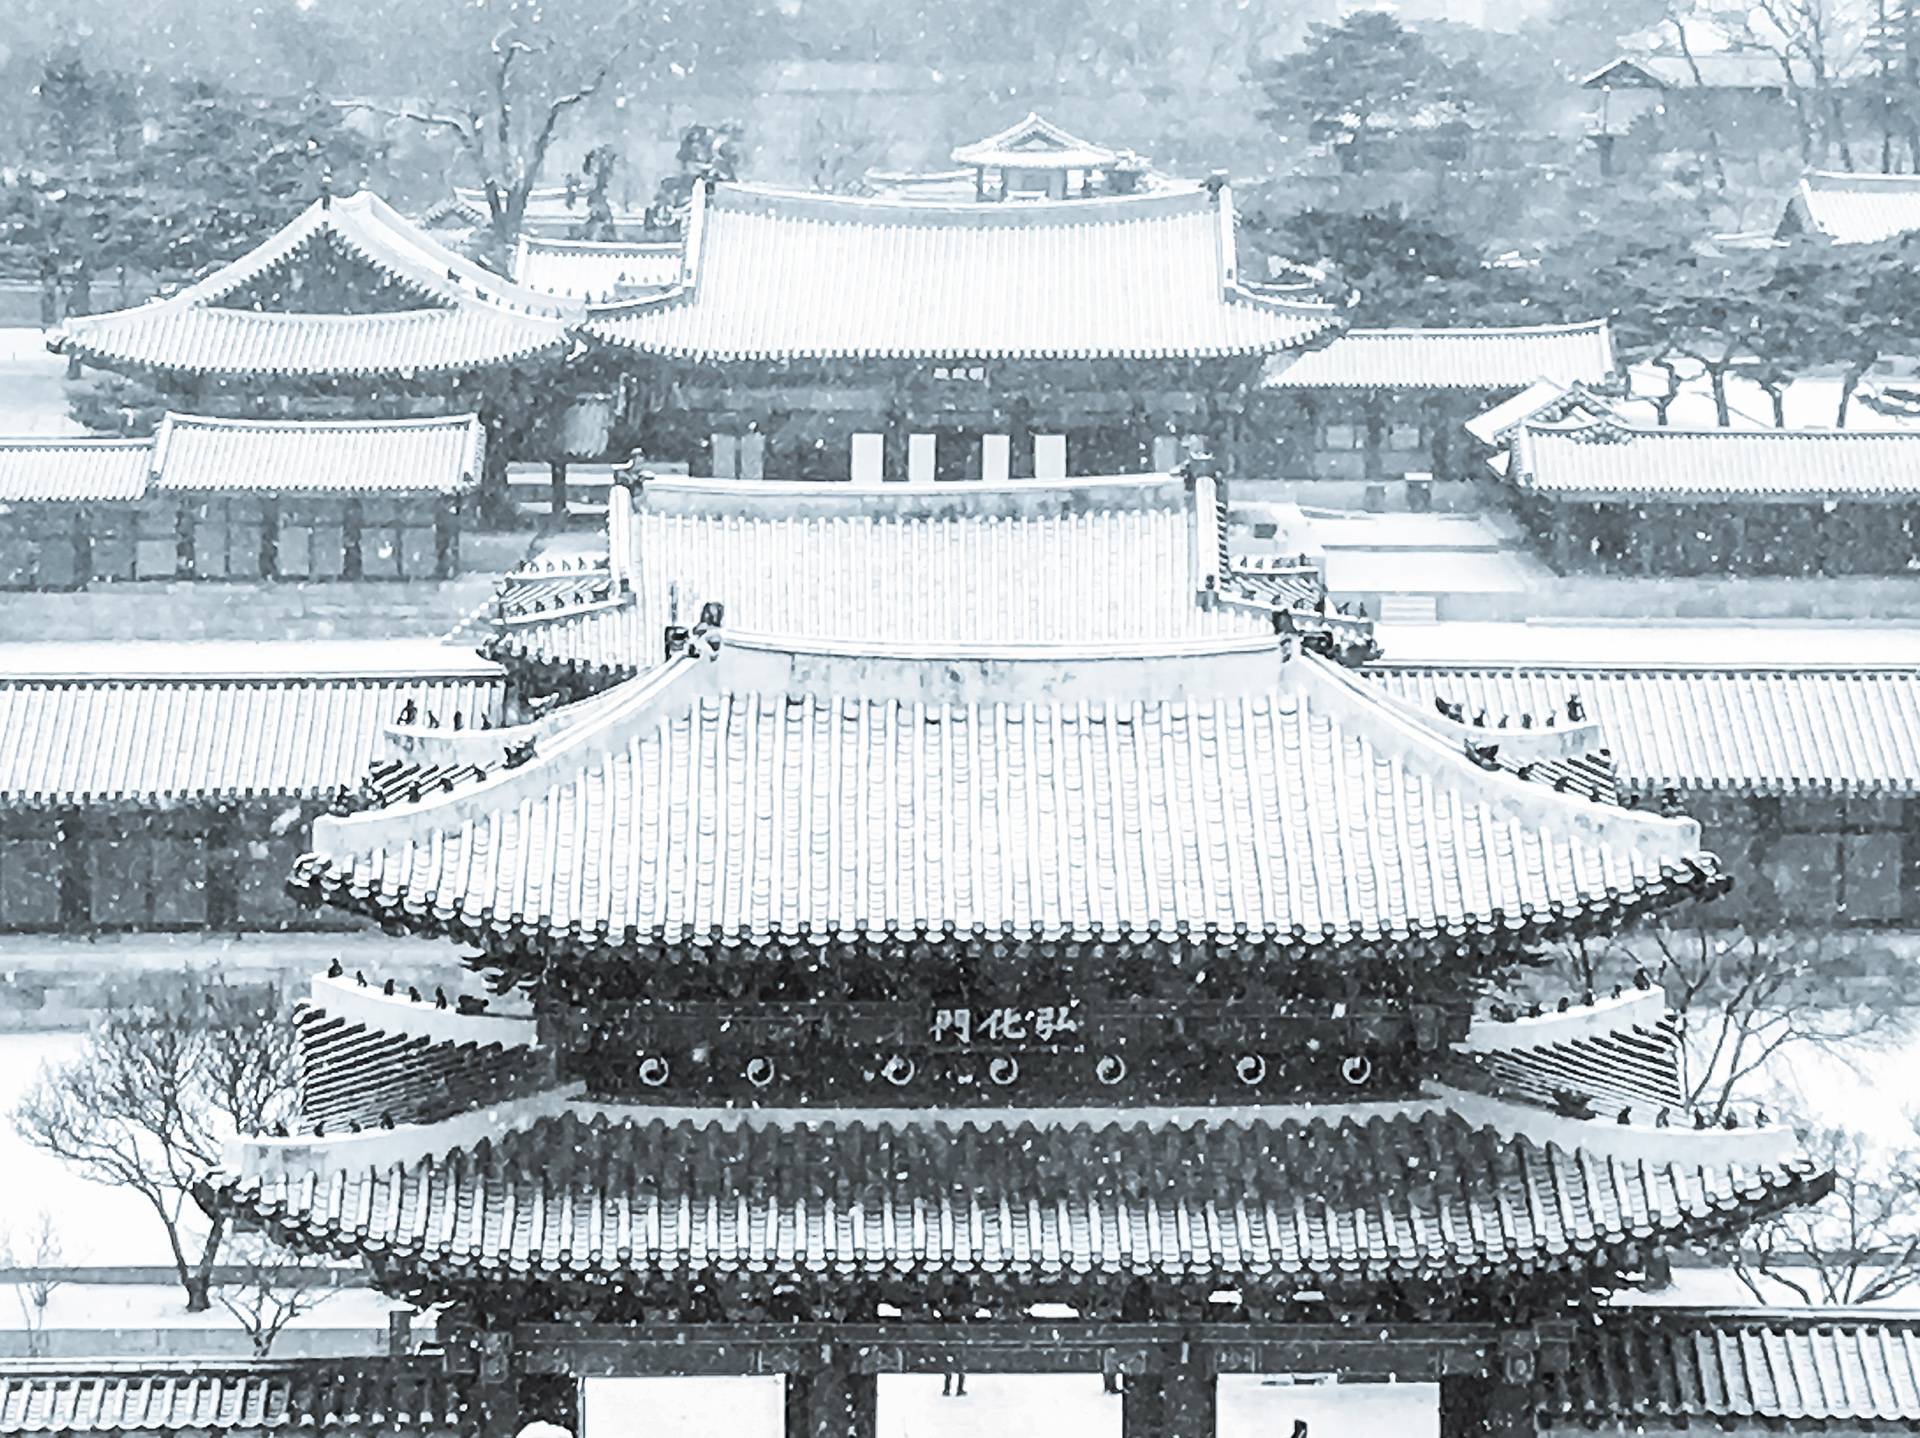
[[1140, 1408], [1187, 1402], [1375, 411], [1175, 1403], [350, 537], [1465, 1405], [446, 537], [830, 1400], [76, 898], [269, 536]]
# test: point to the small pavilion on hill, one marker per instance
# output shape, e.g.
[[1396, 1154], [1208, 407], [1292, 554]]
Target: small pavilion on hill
[[812, 337], [1032, 160], [1035, 159]]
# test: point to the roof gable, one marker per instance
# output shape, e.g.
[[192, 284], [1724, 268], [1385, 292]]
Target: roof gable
[[324, 275], [774, 274], [384, 243], [243, 318]]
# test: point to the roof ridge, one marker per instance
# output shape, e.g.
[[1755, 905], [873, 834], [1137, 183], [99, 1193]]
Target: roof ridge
[[1637, 431], [596, 247], [1484, 331], [1104, 209], [1639, 829], [74, 441], [317, 426]]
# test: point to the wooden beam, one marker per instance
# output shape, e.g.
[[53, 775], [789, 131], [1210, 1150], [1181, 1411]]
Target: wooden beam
[[1373, 1351]]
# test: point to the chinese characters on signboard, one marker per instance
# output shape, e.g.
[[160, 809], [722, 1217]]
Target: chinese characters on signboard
[[1047, 1024]]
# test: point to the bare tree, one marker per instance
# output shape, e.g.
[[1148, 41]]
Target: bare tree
[[1740, 999], [265, 1287], [39, 1254], [1678, 17], [1859, 1244], [1818, 45], [507, 120], [150, 1100]]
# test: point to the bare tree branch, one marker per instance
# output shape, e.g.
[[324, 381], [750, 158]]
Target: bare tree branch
[[151, 1099], [272, 1288], [1860, 1244]]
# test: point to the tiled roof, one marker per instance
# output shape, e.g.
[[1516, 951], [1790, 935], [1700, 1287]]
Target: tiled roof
[[1859, 209], [468, 317], [1035, 141], [1613, 1053], [547, 205], [1476, 359], [357, 456], [361, 1074], [778, 275], [91, 741], [73, 469], [590, 645], [366, 227], [1543, 399], [769, 793], [1764, 731], [1846, 1370], [1448, 1186], [1718, 70], [595, 271], [963, 572], [166, 1397], [164, 335], [189, 452], [1607, 460]]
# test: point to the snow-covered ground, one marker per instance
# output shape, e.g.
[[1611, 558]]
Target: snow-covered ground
[[97, 1225], [1809, 403], [1634, 642], [230, 658], [996, 1405], [33, 396]]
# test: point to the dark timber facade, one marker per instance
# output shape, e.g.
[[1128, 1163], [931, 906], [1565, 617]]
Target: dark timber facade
[[817, 338]]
